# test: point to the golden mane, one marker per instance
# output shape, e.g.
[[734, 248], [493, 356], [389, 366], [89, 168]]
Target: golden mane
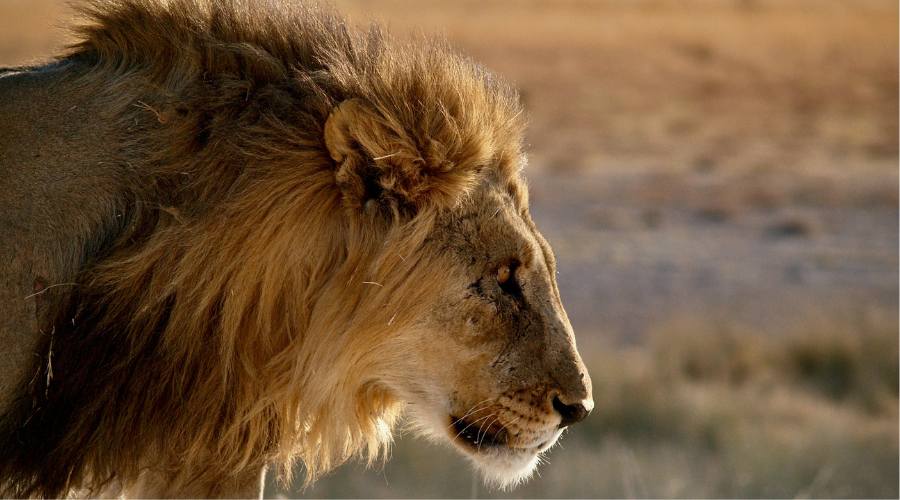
[[233, 318]]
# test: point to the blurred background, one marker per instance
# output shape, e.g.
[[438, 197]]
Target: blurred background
[[719, 180]]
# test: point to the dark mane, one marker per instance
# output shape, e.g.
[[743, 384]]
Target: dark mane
[[263, 76]]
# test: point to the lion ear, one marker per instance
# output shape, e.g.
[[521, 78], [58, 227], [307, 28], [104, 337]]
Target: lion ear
[[379, 164]]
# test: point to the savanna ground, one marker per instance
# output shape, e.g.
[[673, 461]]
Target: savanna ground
[[719, 181]]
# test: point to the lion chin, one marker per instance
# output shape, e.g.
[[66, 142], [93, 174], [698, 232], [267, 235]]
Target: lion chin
[[501, 465], [505, 468]]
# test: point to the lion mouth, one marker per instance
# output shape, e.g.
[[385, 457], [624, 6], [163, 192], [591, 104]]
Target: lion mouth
[[476, 436]]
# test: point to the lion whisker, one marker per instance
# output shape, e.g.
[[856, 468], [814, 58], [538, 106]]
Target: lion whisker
[[472, 409], [44, 290], [513, 421], [471, 424], [475, 408], [478, 439]]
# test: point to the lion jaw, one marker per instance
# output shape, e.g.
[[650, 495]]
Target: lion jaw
[[500, 465]]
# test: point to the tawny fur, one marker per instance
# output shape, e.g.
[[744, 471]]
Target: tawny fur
[[248, 283]]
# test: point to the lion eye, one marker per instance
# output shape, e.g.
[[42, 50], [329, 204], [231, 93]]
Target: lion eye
[[506, 278], [504, 273]]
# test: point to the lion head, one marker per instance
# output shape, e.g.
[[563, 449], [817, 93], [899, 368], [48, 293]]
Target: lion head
[[306, 232], [488, 360]]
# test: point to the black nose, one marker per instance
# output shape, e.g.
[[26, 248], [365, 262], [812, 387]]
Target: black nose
[[571, 414]]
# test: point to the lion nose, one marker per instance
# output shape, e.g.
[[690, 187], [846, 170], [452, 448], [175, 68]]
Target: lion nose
[[572, 413]]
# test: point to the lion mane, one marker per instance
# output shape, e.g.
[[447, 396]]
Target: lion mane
[[230, 315]]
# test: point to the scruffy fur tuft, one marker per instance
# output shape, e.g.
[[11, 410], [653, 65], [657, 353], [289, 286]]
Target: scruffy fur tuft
[[277, 173]]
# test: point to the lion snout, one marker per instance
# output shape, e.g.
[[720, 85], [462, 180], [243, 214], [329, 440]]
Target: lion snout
[[572, 413], [572, 400]]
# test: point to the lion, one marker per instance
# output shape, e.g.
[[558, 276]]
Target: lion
[[239, 235]]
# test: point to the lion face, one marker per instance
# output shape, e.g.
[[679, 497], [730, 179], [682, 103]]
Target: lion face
[[497, 372], [485, 357]]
